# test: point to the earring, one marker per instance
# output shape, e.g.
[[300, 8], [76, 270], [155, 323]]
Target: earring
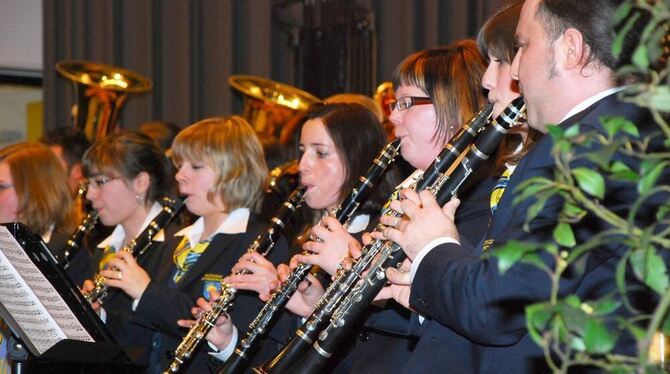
[[140, 198]]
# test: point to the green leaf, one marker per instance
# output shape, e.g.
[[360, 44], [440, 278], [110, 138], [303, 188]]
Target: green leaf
[[615, 124], [617, 45], [621, 171], [597, 338], [556, 132], [537, 317], [649, 267], [572, 131], [622, 12], [641, 57], [573, 211], [662, 212], [659, 98], [650, 177], [621, 273], [590, 181], [564, 236], [605, 306], [513, 251]]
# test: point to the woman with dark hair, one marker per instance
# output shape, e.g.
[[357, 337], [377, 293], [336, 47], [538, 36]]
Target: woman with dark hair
[[127, 176], [496, 43], [337, 143]]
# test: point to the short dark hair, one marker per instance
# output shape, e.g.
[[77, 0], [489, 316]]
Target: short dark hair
[[594, 19], [72, 141]]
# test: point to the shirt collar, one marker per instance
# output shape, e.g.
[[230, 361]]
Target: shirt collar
[[119, 234], [235, 223], [590, 101]]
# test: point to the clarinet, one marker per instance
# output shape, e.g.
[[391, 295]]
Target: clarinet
[[344, 280], [352, 307], [73, 244], [263, 244], [138, 245]]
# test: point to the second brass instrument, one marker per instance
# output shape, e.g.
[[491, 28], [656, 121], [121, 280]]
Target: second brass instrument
[[138, 245]]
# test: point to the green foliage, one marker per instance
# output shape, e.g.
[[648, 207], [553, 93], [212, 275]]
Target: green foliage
[[572, 331]]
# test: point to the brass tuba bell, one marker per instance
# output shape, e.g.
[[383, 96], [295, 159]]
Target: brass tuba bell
[[100, 92], [268, 105]]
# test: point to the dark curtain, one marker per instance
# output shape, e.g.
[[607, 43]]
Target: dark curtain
[[188, 49]]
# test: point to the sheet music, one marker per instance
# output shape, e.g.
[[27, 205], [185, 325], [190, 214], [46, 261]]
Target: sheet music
[[31, 299]]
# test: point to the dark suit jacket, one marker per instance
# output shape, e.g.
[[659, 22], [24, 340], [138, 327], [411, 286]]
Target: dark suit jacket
[[387, 340], [478, 322], [135, 334], [162, 304]]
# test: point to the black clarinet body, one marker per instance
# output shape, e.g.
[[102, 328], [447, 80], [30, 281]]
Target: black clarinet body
[[352, 307], [73, 244], [238, 362], [263, 245], [139, 244], [308, 333]]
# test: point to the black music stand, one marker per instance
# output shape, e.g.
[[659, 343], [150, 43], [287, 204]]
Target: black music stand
[[68, 355]]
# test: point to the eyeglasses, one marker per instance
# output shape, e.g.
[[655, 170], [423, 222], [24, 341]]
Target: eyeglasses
[[5, 186], [98, 182], [408, 102]]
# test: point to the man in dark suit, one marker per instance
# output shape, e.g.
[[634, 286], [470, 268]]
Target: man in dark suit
[[475, 315]]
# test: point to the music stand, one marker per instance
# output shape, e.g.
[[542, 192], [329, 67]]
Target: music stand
[[69, 337]]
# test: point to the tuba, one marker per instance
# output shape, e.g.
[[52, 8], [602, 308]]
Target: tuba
[[100, 92], [268, 105]]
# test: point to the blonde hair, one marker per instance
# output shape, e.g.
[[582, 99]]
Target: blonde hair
[[231, 147], [41, 187]]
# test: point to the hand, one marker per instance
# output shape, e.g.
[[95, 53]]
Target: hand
[[332, 249], [308, 293], [222, 331], [86, 288], [423, 221], [123, 272], [262, 278], [400, 285]]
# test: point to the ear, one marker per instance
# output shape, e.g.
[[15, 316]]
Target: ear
[[574, 49], [141, 183]]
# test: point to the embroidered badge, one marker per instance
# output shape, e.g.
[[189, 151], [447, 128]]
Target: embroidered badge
[[211, 282]]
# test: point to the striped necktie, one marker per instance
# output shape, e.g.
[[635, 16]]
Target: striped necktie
[[185, 256], [499, 188], [107, 254]]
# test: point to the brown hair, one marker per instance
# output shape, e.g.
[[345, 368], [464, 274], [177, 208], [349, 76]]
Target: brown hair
[[497, 38], [231, 147], [129, 153], [451, 76], [41, 187]]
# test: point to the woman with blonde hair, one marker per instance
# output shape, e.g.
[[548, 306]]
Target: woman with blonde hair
[[221, 173]]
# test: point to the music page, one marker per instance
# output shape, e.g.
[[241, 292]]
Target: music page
[[32, 301]]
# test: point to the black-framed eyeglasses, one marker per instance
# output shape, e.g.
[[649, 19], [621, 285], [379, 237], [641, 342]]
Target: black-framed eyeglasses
[[408, 102], [5, 186], [98, 182]]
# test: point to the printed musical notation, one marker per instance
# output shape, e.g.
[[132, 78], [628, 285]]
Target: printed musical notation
[[32, 301]]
